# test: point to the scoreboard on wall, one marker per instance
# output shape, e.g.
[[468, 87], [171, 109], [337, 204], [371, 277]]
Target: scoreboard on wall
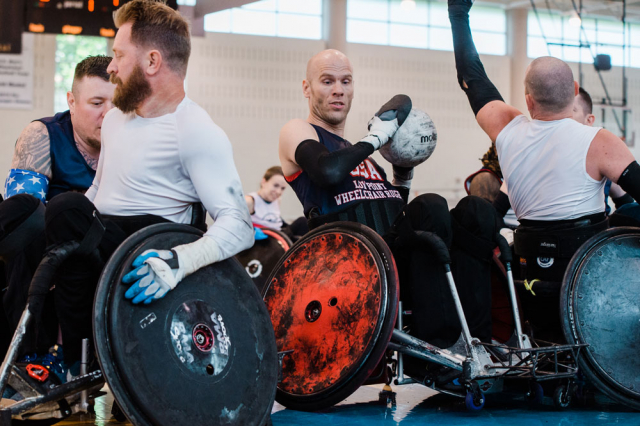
[[78, 17]]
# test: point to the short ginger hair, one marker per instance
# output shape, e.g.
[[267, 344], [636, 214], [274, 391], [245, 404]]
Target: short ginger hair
[[91, 66], [156, 25]]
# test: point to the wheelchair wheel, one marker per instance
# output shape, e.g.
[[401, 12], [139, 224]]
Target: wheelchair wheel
[[333, 302], [262, 257], [600, 306], [204, 354]]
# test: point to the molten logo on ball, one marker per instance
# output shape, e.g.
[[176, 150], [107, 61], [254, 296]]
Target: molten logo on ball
[[414, 141]]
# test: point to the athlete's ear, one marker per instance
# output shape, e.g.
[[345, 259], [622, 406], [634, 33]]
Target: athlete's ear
[[590, 119], [262, 182], [306, 89], [576, 88], [71, 101], [529, 100], [153, 62]]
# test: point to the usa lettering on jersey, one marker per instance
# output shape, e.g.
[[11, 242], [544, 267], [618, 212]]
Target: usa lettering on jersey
[[367, 170]]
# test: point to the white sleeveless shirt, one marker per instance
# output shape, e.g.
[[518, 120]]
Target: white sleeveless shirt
[[266, 214], [544, 164]]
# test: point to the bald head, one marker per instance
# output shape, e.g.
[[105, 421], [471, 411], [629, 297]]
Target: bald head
[[329, 57], [329, 89], [549, 82]]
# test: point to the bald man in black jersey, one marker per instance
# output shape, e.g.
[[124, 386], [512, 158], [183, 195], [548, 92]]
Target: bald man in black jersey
[[336, 180]]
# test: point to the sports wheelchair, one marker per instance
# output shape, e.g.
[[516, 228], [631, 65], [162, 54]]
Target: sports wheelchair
[[333, 301]]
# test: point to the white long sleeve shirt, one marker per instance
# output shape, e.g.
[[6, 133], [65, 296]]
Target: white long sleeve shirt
[[163, 165]]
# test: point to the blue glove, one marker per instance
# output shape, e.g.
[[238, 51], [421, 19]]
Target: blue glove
[[157, 272], [258, 235]]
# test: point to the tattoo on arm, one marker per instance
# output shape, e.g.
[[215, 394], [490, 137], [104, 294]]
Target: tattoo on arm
[[32, 150]]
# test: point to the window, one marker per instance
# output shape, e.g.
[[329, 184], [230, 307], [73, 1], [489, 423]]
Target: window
[[424, 26], [598, 36], [70, 50], [276, 18]]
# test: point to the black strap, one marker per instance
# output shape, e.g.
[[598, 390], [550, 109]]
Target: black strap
[[556, 243], [199, 216], [173, 263], [93, 236]]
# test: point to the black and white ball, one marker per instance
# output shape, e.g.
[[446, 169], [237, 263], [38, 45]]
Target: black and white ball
[[413, 142]]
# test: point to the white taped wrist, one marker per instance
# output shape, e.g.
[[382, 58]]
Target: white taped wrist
[[197, 254], [373, 140]]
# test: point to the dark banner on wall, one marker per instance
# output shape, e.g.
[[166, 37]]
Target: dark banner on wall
[[78, 17], [11, 19]]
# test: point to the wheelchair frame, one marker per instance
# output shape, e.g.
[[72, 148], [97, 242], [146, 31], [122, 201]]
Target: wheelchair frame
[[471, 362]]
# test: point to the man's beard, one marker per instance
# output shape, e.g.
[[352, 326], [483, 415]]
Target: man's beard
[[128, 96], [93, 143]]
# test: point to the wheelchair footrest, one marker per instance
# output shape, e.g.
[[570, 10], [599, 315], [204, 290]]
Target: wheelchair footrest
[[541, 363]]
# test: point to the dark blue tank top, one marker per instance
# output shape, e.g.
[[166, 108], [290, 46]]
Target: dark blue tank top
[[365, 185], [69, 170]]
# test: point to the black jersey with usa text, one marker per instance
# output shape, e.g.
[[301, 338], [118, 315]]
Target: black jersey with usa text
[[366, 183]]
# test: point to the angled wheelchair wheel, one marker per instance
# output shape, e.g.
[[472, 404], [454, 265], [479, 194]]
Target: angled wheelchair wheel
[[600, 306], [262, 257], [333, 303], [204, 354]]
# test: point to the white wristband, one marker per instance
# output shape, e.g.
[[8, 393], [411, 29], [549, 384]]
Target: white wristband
[[197, 254]]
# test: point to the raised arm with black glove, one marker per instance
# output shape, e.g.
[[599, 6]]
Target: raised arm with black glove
[[471, 74], [330, 168]]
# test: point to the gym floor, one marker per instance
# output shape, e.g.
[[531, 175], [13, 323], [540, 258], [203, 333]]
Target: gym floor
[[417, 405]]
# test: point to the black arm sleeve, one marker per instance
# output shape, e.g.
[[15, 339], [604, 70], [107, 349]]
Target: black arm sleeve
[[621, 201], [502, 203], [630, 180], [330, 168], [471, 74]]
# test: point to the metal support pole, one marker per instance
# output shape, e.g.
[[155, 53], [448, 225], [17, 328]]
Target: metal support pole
[[401, 341], [12, 353], [84, 396], [400, 360], [514, 304], [463, 320]]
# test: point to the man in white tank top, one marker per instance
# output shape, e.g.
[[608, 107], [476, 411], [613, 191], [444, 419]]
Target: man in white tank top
[[554, 167], [537, 155]]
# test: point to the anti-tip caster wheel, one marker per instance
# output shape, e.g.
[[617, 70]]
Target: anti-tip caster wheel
[[562, 396], [474, 401]]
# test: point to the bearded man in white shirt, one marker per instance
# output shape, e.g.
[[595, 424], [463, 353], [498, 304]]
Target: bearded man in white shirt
[[161, 154]]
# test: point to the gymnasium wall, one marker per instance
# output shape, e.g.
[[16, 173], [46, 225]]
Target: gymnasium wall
[[12, 121], [251, 86]]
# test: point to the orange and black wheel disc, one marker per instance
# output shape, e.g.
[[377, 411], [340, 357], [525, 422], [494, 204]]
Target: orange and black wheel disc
[[333, 302]]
